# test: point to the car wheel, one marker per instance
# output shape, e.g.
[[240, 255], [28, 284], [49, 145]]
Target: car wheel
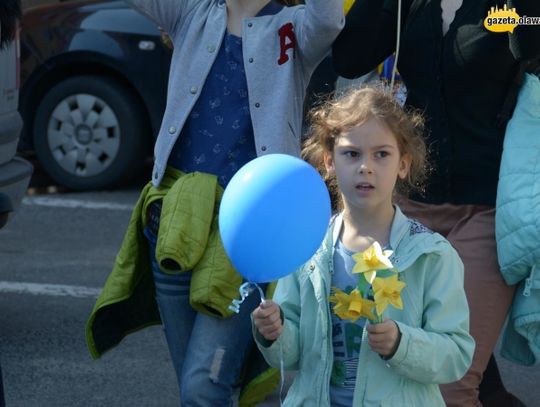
[[90, 132]]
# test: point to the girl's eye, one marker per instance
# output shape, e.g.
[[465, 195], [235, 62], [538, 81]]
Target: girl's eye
[[351, 154], [381, 154]]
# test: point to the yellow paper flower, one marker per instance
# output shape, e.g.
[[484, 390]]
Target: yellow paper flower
[[371, 260], [387, 291], [351, 306]]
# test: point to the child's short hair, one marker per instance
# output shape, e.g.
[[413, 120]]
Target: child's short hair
[[338, 114]]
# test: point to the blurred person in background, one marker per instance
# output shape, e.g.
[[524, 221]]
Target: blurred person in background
[[10, 12]]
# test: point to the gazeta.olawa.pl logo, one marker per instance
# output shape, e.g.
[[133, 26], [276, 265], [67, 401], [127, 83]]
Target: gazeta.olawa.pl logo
[[505, 19]]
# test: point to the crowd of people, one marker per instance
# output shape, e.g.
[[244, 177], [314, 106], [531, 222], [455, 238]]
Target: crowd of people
[[413, 185], [236, 90]]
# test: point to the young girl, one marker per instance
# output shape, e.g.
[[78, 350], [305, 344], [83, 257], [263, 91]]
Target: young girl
[[372, 148], [237, 83], [451, 79]]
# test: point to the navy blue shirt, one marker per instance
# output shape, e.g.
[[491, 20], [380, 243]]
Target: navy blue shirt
[[217, 137]]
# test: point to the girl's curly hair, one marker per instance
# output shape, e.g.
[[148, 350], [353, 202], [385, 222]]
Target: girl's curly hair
[[335, 116]]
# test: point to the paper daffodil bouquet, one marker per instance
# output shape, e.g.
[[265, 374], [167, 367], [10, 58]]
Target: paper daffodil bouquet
[[378, 286]]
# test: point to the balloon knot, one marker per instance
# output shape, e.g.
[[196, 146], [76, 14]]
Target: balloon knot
[[245, 290]]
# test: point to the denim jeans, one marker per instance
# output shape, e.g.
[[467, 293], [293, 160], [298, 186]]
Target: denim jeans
[[208, 353]]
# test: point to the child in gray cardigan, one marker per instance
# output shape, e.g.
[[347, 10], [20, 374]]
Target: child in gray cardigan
[[237, 83]]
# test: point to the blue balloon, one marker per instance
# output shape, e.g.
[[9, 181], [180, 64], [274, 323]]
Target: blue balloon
[[273, 216]]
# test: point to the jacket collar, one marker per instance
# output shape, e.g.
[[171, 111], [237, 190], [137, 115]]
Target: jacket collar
[[323, 259], [273, 7], [399, 228], [406, 242]]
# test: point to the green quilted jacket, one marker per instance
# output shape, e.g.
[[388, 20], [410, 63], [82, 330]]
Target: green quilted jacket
[[188, 239]]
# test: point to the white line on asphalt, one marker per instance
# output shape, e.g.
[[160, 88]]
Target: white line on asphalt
[[54, 290], [74, 203]]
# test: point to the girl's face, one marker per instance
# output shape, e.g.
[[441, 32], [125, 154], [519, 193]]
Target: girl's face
[[367, 162]]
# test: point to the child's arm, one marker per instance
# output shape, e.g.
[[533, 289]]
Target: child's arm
[[320, 23], [165, 13], [441, 351], [287, 344]]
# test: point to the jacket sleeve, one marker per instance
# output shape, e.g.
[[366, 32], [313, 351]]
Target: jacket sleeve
[[287, 346], [441, 351], [165, 13], [369, 36], [320, 23], [525, 41]]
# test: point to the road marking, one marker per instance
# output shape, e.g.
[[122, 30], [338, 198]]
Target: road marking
[[74, 203], [54, 290]]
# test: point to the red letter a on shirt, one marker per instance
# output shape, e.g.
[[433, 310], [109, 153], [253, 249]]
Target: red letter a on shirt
[[287, 40]]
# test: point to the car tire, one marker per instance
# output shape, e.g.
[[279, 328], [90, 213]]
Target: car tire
[[91, 132]]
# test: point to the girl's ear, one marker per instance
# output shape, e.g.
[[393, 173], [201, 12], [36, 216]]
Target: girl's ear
[[328, 162], [404, 166]]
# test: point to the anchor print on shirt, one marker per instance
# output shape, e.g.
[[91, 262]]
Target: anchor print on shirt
[[200, 159], [215, 103]]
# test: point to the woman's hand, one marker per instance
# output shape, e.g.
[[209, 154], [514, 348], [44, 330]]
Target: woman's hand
[[384, 338], [166, 39], [267, 319]]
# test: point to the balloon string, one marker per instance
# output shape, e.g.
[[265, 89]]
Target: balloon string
[[244, 290], [282, 373]]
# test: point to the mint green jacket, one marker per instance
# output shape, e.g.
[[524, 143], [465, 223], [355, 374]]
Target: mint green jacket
[[435, 344], [517, 225]]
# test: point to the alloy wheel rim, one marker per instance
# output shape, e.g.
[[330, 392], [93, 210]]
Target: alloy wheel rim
[[83, 135]]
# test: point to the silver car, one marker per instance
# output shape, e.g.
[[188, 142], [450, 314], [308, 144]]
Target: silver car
[[15, 172]]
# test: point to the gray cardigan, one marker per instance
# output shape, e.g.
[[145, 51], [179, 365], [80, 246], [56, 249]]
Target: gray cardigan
[[276, 89]]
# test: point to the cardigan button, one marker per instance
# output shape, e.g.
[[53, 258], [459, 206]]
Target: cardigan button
[[250, 60], [257, 105], [263, 148], [172, 130], [193, 90], [211, 48], [250, 24]]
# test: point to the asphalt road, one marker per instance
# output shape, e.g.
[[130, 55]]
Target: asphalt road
[[55, 254]]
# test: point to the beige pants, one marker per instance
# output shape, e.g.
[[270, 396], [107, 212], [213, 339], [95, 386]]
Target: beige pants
[[471, 230]]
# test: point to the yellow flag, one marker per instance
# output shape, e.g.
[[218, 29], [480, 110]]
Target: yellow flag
[[347, 4]]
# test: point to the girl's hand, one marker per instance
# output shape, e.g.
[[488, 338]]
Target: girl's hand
[[267, 319], [384, 338]]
